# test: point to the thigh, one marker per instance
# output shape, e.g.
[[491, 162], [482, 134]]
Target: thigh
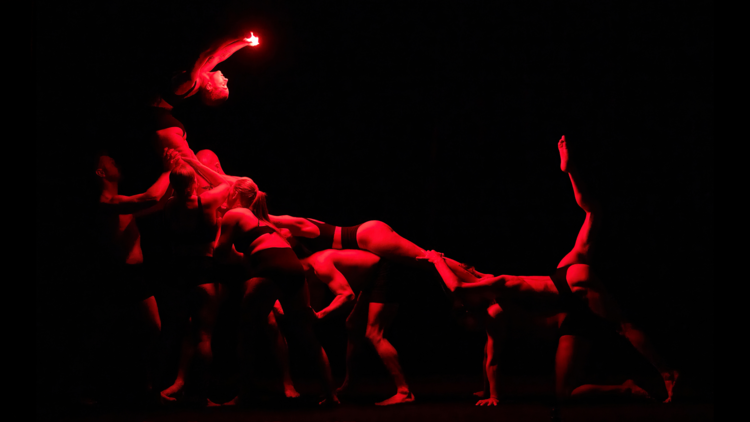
[[259, 297], [356, 321], [570, 361], [380, 316]]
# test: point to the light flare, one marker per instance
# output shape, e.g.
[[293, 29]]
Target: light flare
[[253, 40]]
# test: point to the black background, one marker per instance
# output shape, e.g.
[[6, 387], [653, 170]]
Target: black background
[[439, 119]]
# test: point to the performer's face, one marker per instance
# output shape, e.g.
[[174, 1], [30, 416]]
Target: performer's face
[[220, 83], [109, 168]]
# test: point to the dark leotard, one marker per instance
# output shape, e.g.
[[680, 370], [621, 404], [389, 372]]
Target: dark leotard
[[325, 239], [580, 320], [161, 118]]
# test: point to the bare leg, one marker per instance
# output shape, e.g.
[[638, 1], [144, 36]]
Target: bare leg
[[171, 393], [496, 329], [301, 315], [356, 326], [380, 239], [572, 352], [599, 300], [257, 302], [485, 382], [380, 316], [282, 356]]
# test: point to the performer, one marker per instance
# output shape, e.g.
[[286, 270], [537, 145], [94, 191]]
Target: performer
[[211, 86], [574, 290], [190, 220], [274, 273], [119, 247], [374, 309]]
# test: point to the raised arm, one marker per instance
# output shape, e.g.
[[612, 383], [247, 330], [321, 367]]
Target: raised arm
[[481, 288], [217, 53], [337, 283], [124, 204]]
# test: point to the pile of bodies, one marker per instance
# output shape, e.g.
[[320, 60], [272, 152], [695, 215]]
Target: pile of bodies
[[211, 231]]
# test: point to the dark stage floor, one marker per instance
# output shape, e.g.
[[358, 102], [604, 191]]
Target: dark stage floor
[[436, 400]]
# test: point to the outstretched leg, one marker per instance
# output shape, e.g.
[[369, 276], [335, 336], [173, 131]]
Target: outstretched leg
[[381, 316], [572, 352], [582, 250], [580, 277]]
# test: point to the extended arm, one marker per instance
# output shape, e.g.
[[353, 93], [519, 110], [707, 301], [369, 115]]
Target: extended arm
[[220, 187], [217, 53], [328, 274], [123, 204], [210, 174]]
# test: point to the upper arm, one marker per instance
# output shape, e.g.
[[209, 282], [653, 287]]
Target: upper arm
[[331, 276], [129, 204]]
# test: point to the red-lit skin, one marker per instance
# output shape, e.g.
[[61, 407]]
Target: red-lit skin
[[203, 298], [373, 236], [118, 228], [203, 78], [367, 320], [262, 293], [572, 350]]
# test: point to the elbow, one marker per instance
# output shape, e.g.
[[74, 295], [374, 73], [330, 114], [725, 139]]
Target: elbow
[[349, 296]]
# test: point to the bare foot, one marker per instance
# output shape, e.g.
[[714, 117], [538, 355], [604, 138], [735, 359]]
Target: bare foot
[[210, 403], [670, 378], [488, 402], [563, 148], [290, 392], [170, 394], [634, 390], [234, 402], [397, 399], [480, 394]]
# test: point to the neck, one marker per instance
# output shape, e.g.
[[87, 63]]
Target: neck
[[109, 188]]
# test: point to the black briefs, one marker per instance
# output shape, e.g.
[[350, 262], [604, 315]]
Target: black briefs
[[349, 237], [323, 241], [280, 265]]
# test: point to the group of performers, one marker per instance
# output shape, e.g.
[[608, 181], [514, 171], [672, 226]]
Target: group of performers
[[210, 234]]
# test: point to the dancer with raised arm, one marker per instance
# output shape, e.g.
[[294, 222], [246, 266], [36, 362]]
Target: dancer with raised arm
[[374, 310], [274, 273], [119, 248], [190, 220], [587, 310]]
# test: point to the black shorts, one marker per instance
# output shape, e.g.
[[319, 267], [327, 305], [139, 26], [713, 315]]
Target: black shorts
[[349, 237], [280, 265]]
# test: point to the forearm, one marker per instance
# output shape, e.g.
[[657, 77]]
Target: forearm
[[159, 188], [212, 177], [337, 303], [219, 52], [449, 278]]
